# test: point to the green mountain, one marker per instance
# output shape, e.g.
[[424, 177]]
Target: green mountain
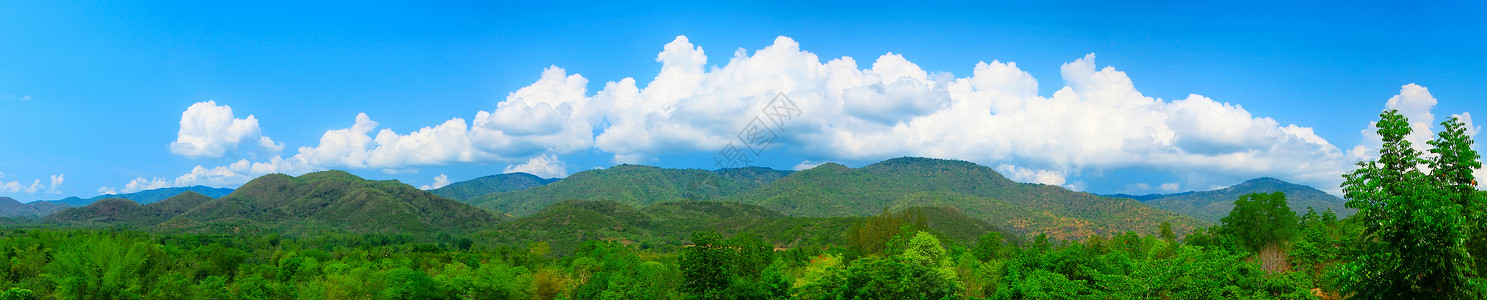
[[10, 208], [120, 211], [634, 185], [464, 190], [978, 191], [670, 224], [329, 201], [1213, 205], [148, 196]]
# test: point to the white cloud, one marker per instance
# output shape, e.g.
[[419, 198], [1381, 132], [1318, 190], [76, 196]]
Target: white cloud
[[211, 131], [806, 165], [1098, 121], [56, 183], [140, 184], [1170, 187], [103, 190], [36, 186], [1015, 173], [439, 181], [545, 166]]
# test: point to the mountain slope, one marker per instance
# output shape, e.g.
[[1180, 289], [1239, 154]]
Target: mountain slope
[[634, 185], [835, 190], [120, 211], [464, 190], [1213, 205], [670, 224], [148, 196], [332, 201], [10, 208]]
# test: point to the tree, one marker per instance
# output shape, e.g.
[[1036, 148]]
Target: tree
[[989, 247], [1414, 226], [1453, 166], [1263, 223], [704, 264], [1260, 220]]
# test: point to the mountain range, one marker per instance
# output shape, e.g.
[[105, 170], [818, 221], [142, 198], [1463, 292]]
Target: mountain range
[[464, 190], [148, 196], [633, 185], [834, 190], [670, 224], [10, 208], [660, 206], [1211, 206], [327, 201]]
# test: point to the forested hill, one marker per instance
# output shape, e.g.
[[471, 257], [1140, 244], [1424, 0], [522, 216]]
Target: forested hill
[[328, 201], [835, 190], [634, 185], [1214, 205], [148, 196], [464, 190], [10, 208], [120, 211], [671, 224]]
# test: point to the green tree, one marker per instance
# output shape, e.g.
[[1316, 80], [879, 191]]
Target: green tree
[[1414, 227], [989, 247], [1453, 166], [704, 266], [1260, 220], [17, 294], [407, 283]]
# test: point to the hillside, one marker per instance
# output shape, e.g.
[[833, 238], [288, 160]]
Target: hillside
[[670, 224], [120, 211], [331, 201], [10, 208], [980, 192], [633, 185], [148, 196], [1211, 206], [464, 190]]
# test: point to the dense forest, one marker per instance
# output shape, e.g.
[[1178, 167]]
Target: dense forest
[[1417, 234]]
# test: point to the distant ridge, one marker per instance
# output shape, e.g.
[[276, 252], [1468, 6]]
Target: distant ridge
[[10, 208], [464, 190], [327, 201], [834, 190], [980, 192], [1213, 205], [670, 224], [148, 196], [634, 185]]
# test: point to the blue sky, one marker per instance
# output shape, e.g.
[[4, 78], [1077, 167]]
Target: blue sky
[[92, 95]]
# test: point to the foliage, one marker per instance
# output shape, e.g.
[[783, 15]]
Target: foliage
[[1415, 222], [1260, 220]]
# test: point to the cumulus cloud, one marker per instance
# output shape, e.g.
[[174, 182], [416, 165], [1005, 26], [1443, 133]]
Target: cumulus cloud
[[1097, 121], [545, 166], [212, 131], [1015, 173], [36, 186], [56, 184], [439, 181]]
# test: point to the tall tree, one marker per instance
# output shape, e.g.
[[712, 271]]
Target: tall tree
[[1415, 227], [1454, 162], [1263, 223], [704, 264]]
